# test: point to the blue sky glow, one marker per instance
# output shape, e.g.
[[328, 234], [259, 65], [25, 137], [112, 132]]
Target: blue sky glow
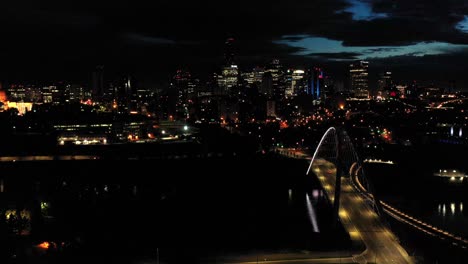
[[315, 46], [463, 25], [362, 10]]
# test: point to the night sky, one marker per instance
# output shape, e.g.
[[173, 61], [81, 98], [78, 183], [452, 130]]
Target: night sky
[[417, 39]]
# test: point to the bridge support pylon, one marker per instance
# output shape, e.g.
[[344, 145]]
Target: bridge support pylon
[[339, 172]]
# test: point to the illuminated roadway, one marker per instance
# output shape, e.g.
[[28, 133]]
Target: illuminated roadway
[[414, 222], [360, 220], [418, 224], [353, 182], [379, 161], [304, 261], [46, 158], [357, 216], [451, 101]]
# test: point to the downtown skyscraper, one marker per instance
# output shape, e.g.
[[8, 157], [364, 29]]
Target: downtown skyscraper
[[359, 79]]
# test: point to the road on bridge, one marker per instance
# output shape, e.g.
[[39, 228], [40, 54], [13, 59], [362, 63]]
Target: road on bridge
[[357, 216], [360, 220]]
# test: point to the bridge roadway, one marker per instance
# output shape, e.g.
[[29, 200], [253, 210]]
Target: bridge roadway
[[418, 224], [357, 216], [360, 220]]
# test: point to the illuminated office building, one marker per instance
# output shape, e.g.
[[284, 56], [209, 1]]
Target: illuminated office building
[[359, 79]]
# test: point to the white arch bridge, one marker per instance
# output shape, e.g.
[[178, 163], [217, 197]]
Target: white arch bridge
[[333, 161], [340, 172], [341, 175]]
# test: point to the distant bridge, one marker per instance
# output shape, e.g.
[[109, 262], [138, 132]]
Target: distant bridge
[[441, 105], [379, 161]]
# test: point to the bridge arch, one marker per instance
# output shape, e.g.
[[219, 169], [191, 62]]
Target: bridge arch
[[331, 131], [336, 155]]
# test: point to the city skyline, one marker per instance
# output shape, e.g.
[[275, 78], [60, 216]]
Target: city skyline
[[414, 40], [303, 131]]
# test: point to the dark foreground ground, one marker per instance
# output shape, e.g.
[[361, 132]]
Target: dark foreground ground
[[189, 210]]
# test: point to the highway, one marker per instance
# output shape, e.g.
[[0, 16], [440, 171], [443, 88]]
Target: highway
[[451, 101], [304, 261], [353, 184], [360, 220], [301, 258], [357, 215], [46, 158], [418, 224]]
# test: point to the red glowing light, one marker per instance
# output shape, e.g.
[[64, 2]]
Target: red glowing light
[[3, 97], [44, 245]]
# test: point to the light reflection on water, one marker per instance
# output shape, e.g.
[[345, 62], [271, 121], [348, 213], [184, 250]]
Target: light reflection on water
[[312, 201], [448, 209], [312, 214], [441, 203], [316, 194]]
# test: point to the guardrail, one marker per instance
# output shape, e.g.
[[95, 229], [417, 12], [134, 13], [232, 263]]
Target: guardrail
[[413, 221]]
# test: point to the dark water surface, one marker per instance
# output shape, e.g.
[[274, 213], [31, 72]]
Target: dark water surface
[[188, 209]]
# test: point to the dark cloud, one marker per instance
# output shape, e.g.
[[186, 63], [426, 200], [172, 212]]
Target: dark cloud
[[380, 49], [68, 38], [408, 22], [147, 40], [294, 38], [336, 55]]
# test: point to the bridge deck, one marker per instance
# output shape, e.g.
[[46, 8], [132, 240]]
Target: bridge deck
[[360, 220]]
